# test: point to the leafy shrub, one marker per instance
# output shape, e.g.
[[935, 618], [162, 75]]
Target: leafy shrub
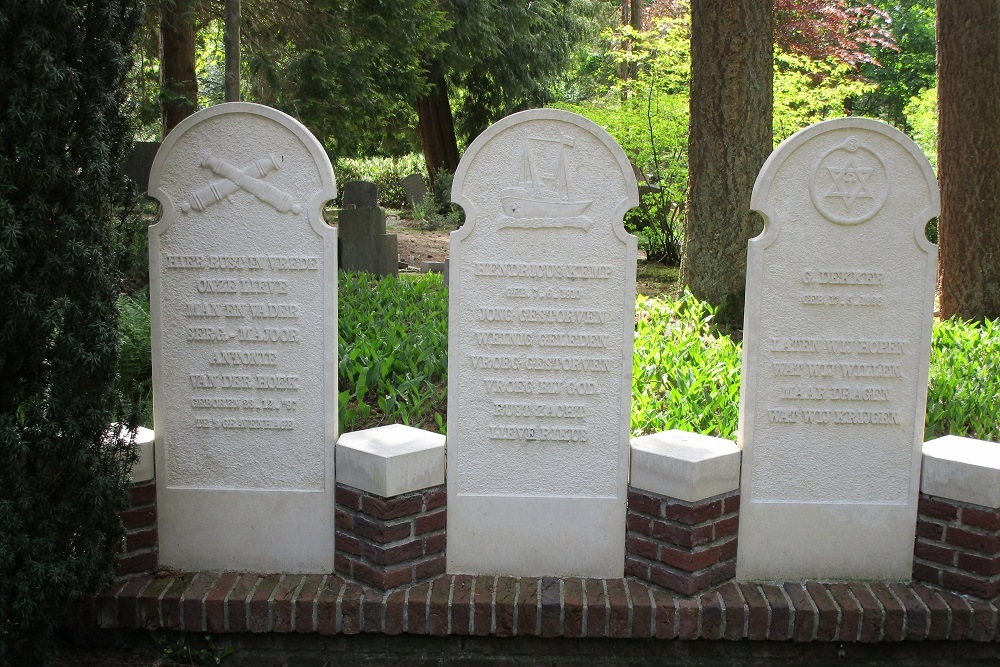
[[135, 372], [684, 374], [387, 172], [921, 115], [437, 211], [64, 470], [392, 350], [964, 380]]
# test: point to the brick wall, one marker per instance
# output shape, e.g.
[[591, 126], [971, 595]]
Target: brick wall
[[242, 603], [141, 546], [958, 546], [681, 546], [390, 542]]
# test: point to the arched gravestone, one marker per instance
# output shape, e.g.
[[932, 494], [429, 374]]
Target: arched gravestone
[[541, 319], [840, 296], [243, 289]]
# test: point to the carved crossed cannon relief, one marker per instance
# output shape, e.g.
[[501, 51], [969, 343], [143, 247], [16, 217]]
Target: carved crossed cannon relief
[[234, 179]]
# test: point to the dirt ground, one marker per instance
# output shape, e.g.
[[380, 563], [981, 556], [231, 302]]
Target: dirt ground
[[415, 246]]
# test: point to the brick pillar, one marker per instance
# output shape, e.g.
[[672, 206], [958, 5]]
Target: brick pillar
[[683, 505], [958, 546], [141, 552], [681, 546], [958, 516], [390, 542], [391, 500]]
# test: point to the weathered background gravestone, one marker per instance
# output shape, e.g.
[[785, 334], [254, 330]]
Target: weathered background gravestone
[[840, 296], [243, 288], [360, 194], [138, 163], [364, 244], [541, 317], [415, 188]]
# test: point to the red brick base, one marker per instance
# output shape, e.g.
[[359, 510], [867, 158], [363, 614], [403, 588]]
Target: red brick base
[[958, 546], [232, 602], [141, 551], [390, 542], [681, 546]]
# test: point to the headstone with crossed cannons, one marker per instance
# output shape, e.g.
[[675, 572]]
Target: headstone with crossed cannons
[[244, 325]]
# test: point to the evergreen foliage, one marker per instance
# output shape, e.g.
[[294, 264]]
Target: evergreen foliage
[[63, 471]]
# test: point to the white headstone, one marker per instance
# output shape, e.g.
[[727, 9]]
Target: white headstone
[[840, 295], [541, 319], [243, 289]]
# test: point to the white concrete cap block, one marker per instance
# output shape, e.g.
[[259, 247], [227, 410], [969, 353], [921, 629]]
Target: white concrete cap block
[[684, 465], [962, 469], [391, 460], [836, 347], [540, 329], [243, 308], [144, 470]]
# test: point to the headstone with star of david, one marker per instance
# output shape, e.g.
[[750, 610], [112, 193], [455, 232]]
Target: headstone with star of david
[[840, 296], [243, 296]]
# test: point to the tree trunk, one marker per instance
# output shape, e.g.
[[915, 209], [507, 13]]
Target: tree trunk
[[437, 127], [729, 139], [231, 37], [178, 82], [635, 14], [968, 65]]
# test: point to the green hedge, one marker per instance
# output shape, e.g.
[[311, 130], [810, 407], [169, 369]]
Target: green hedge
[[387, 172]]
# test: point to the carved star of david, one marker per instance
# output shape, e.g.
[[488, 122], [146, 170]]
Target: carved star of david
[[850, 183]]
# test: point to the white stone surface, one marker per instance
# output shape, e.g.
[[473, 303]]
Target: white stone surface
[[684, 465], [391, 460], [840, 295], [962, 469], [243, 290], [144, 469], [541, 314]]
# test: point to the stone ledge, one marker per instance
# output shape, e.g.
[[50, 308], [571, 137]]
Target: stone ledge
[[231, 602]]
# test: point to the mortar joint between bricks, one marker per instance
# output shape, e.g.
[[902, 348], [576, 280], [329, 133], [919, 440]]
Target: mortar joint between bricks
[[607, 608]]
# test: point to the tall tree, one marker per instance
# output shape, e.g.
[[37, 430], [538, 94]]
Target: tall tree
[[502, 55], [231, 38], [968, 35], [729, 139], [64, 131], [178, 83]]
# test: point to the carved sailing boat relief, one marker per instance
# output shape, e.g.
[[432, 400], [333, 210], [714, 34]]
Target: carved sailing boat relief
[[542, 199]]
